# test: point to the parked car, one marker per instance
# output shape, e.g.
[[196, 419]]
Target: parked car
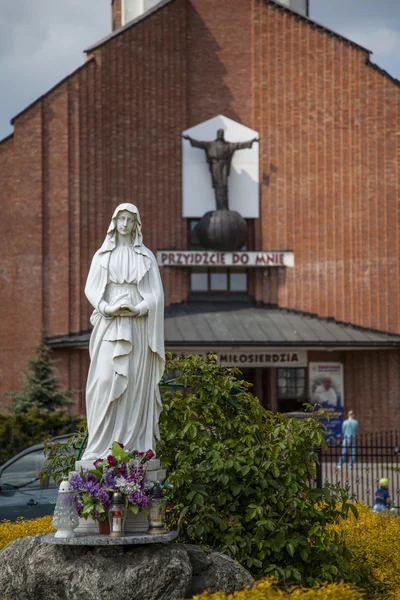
[[21, 493]]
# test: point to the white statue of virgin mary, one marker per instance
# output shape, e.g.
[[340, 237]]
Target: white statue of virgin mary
[[127, 343]]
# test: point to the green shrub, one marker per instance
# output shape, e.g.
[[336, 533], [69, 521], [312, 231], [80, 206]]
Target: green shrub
[[20, 431], [374, 541], [242, 477]]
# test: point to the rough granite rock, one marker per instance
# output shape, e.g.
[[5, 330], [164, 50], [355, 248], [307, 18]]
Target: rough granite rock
[[32, 570], [213, 571]]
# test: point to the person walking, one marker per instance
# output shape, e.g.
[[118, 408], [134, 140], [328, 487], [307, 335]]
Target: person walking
[[349, 433]]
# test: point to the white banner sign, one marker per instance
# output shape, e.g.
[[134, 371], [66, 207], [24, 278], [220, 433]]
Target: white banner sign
[[207, 258], [253, 358], [326, 389]]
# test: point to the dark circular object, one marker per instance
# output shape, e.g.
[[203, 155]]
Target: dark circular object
[[222, 230]]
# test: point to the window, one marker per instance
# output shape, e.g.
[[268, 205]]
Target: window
[[24, 472], [218, 280], [291, 392], [214, 280]]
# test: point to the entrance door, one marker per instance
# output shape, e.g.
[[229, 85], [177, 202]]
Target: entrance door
[[263, 382]]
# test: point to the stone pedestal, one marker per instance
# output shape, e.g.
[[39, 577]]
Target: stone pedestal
[[133, 523], [138, 539], [32, 569]]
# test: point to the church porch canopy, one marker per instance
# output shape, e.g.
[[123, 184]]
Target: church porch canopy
[[236, 324]]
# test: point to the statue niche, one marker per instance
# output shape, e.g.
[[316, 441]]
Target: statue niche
[[221, 229]]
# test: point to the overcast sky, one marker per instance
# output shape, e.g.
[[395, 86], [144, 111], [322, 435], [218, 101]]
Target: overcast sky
[[42, 41]]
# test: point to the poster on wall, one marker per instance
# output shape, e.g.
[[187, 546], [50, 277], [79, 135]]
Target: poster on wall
[[326, 388]]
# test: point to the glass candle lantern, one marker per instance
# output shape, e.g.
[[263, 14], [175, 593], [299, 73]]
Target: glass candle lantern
[[65, 518], [158, 504], [116, 515]]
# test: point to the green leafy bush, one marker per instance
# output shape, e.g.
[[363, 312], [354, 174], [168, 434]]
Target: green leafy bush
[[61, 455], [20, 431], [242, 477]]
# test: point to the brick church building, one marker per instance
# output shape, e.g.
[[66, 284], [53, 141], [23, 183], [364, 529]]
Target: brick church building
[[314, 294]]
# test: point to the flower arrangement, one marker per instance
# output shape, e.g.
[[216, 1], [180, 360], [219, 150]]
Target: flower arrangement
[[122, 471]]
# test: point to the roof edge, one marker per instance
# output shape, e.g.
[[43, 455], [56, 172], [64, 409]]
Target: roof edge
[[274, 3], [70, 340], [294, 311], [9, 136], [128, 25], [313, 23], [58, 84], [383, 72]]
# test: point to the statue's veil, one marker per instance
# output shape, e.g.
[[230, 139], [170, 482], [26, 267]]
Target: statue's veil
[[111, 238]]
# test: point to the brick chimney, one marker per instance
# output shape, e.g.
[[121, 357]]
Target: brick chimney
[[123, 11]]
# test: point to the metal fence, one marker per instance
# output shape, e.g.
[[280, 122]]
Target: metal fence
[[377, 456]]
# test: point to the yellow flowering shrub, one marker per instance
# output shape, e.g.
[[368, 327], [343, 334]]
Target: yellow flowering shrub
[[266, 590], [374, 541], [22, 528]]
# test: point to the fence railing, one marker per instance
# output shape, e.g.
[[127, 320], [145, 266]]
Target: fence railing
[[377, 455]]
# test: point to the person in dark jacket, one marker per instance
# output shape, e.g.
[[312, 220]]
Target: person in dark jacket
[[382, 498]]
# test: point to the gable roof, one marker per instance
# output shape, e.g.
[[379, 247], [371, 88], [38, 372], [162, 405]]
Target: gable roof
[[275, 3], [128, 25]]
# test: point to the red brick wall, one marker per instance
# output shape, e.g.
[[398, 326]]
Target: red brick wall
[[111, 133], [21, 251], [328, 124], [372, 384]]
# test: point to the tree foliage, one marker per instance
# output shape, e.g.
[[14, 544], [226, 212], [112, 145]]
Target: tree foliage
[[242, 477], [41, 389]]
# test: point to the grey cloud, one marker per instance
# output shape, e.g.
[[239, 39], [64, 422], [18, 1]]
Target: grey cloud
[[42, 41]]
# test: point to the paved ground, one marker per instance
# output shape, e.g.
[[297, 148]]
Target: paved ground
[[363, 478]]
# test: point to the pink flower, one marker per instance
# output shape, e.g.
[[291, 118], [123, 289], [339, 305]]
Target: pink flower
[[150, 454], [119, 444], [98, 462], [112, 461]]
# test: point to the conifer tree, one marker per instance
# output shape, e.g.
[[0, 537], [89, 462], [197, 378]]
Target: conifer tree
[[41, 389]]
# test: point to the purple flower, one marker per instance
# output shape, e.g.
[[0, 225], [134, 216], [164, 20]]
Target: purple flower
[[95, 513], [108, 479], [91, 488], [89, 477], [98, 462], [150, 454], [78, 506], [119, 444], [76, 482], [104, 499], [138, 499]]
